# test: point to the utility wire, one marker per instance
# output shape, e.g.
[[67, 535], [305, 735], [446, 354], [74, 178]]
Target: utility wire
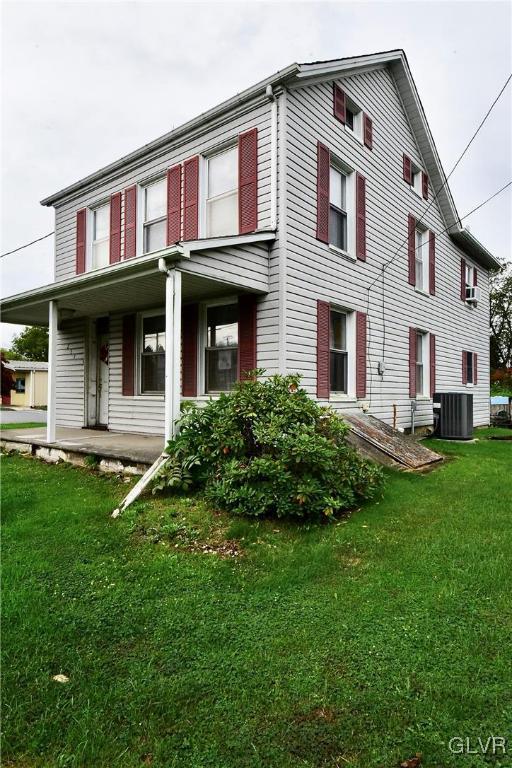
[[27, 245], [435, 196]]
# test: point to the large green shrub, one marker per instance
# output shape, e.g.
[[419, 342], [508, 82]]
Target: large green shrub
[[268, 448]]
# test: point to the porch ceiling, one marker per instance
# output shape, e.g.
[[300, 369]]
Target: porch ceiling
[[127, 293]]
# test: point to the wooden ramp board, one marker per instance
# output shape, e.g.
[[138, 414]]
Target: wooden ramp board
[[383, 439]]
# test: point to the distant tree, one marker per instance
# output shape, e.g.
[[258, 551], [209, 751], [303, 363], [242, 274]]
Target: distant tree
[[7, 377], [501, 331], [30, 344]]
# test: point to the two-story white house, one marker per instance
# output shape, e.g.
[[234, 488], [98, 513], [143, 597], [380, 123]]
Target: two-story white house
[[301, 226]]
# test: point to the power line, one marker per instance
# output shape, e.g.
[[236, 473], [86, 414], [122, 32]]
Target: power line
[[434, 198], [27, 244]]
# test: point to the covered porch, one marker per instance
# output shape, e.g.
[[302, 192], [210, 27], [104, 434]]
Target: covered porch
[[168, 283]]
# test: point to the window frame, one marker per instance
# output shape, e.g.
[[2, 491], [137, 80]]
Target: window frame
[[18, 389], [416, 179], [350, 333], [141, 212], [470, 365], [424, 260], [158, 312], [357, 112], [424, 393], [207, 155], [202, 341], [350, 202], [90, 241], [469, 270]]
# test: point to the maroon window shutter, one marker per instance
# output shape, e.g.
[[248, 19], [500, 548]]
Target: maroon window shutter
[[367, 131], [475, 368], [130, 222], [248, 181], [81, 229], [174, 205], [463, 279], [360, 217], [189, 327], [323, 313], [339, 104], [412, 362], [322, 193], [360, 354], [411, 248], [475, 278], [432, 364], [247, 308], [432, 263], [424, 185], [464, 367], [407, 169], [128, 363], [115, 228], [191, 198]]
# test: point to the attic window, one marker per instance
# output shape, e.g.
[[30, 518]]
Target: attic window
[[354, 119], [416, 179]]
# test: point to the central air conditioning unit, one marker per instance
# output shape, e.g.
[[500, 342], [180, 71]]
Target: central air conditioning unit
[[453, 415], [473, 294]]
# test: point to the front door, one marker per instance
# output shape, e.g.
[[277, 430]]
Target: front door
[[102, 380]]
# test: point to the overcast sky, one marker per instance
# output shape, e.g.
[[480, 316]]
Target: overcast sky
[[84, 83]]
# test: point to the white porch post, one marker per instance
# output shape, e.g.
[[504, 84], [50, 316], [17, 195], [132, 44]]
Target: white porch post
[[172, 351], [52, 371]]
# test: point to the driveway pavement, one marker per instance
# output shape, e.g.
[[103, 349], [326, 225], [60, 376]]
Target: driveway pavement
[[22, 416]]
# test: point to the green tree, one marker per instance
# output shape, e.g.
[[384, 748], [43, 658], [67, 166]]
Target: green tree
[[501, 318], [7, 378], [30, 344]]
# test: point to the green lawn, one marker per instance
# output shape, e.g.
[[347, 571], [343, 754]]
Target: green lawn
[[24, 425], [350, 644]]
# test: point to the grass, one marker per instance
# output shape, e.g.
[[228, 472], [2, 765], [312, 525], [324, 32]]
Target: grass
[[194, 640], [24, 425]]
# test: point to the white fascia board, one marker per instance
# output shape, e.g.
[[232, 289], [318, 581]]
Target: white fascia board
[[222, 242]]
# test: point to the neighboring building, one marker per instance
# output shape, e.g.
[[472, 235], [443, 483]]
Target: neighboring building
[[256, 235], [30, 383]]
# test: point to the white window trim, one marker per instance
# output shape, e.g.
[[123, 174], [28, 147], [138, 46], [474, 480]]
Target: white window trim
[[357, 131], [89, 232], [425, 362], [424, 289], [138, 348], [350, 394], [202, 338], [471, 284], [416, 173], [350, 195], [203, 181], [141, 186]]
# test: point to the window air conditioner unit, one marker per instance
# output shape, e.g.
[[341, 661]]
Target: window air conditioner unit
[[472, 294]]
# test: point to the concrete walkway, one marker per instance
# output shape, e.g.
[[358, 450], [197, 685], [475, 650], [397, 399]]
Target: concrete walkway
[[21, 415], [142, 449]]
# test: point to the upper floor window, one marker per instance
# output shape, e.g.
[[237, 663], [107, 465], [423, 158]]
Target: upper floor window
[[338, 351], [152, 354], [421, 257], [222, 193], [338, 209], [353, 118], [221, 353], [154, 211], [416, 179], [470, 277], [100, 255]]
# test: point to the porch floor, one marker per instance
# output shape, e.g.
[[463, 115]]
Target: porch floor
[[142, 449]]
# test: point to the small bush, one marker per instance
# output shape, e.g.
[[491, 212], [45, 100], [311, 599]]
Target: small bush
[[268, 448]]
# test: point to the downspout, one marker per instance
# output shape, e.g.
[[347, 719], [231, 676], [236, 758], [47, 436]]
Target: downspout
[[282, 234], [273, 156]]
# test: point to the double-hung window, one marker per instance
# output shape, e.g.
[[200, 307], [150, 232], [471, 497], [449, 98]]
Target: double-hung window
[[469, 368], [154, 225], [100, 252], [421, 359], [222, 193], [221, 353], [338, 209], [420, 255], [470, 276], [338, 352], [152, 357], [416, 179]]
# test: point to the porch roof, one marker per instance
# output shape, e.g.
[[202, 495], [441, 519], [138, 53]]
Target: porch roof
[[131, 285]]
